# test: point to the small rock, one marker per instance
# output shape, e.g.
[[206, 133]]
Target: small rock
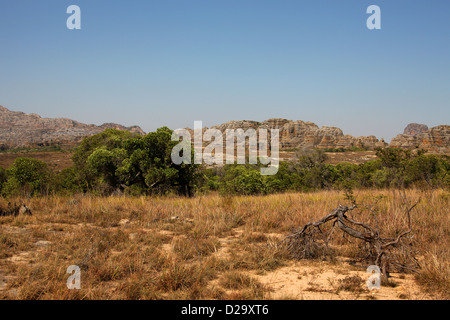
[[42, 243], [123, 222], [24, 210], [132, 236]]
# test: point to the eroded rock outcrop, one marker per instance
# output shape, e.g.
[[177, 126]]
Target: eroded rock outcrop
[[300, 134], [18, 129], [436, 139], [415, 128]]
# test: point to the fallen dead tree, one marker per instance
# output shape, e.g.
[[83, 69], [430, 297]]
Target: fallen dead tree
[[313, 239]]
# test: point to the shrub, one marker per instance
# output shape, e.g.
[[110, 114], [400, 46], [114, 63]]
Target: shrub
[[28, 176], [68, 181], [3, 178]]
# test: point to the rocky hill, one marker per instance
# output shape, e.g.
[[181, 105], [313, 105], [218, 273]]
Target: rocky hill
[[18, 129], [436, 139], [415, 128], [300, 134]]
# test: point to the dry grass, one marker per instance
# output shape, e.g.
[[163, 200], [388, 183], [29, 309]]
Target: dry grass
[[133, 248], [56, 161], [352, 283], [435, 275]]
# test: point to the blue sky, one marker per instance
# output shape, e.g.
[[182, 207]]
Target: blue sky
[[170, 62]]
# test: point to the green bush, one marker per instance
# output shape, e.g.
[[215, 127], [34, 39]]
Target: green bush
[[68, 182], [3, 178], [394, 168], [28, 176], [430, 169]]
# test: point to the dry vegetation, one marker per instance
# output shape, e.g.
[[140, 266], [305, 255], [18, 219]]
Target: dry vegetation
[[56, 160], [213, 247]]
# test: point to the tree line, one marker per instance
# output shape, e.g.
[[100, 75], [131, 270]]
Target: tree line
[[121, 162]]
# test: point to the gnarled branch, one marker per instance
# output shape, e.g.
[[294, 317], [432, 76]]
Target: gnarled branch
[[303, 244]]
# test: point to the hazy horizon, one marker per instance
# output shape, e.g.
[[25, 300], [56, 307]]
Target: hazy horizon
[[169, 63]]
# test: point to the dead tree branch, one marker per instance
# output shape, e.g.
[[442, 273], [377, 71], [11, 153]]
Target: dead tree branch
[[305, 243]]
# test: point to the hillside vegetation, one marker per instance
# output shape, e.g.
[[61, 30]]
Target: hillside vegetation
[[120, 162]]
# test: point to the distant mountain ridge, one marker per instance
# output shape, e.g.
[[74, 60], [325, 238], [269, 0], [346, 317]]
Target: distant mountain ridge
[[18, 129]]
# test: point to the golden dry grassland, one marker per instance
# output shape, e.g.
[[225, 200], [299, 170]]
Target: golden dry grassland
[[214, 247]]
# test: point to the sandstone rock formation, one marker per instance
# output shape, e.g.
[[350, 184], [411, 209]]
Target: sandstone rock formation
[[300, 134], [436, 139], [415, 128], [18, 129]]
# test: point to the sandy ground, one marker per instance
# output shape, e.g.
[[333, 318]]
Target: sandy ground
[[307, 280]]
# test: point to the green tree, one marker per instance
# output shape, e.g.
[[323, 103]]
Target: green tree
[[103, 164], [244, 180], [344, 175], [3, 177], [312, 170], [430, 169], [68, 181], [28, 176], [394, 161], [149, 165], [98, 157], [366, 171], [281, 181], [140, 164]]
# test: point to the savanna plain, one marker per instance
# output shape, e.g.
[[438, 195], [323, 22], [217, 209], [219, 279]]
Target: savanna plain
[[217, 247]]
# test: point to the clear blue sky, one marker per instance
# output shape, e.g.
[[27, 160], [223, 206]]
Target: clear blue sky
[[170, 62]]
